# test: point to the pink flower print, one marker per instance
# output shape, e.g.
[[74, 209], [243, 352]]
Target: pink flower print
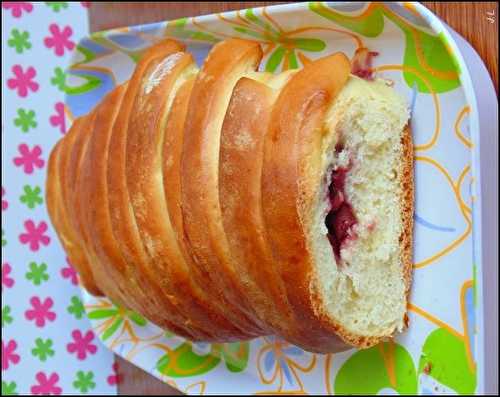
[[29, 159], [5, 203], [6, 280], [59, 39], [115, 378], [46, 385], [41, 311], [23, 81], [17, 7], [70, 272], [34, 235], [8, 354], [81, 344], [58, 119]]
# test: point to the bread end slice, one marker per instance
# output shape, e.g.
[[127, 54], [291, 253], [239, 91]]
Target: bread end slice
[[361, 215]]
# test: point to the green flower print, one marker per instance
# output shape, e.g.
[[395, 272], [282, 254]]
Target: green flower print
[[19, 41], [429, 62], [285, 47], [119, 316], [25, 119], [9, 388], [4, 242], [177, 28], [31, 196], [187, 360], [84, 381], [76, 308], [59, 79], [43, 349], [37, 273], [57, 5], [439, 350], [377, 364], [6, 317]]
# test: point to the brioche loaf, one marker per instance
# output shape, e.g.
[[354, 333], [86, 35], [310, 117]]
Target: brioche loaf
[[225, 203]]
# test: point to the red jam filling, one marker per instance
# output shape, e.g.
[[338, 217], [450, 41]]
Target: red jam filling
[[362, 63], [340, 218]]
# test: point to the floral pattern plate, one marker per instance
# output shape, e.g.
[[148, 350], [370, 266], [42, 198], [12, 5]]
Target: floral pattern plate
[[439, 353]]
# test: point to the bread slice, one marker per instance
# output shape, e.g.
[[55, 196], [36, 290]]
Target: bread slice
[[227, 330], [92, 204], [72, 195], [146, 133], [123, 222], [240, 167], [366, 291], [226, 63], [350, 278], [57, 189], [96, 213]]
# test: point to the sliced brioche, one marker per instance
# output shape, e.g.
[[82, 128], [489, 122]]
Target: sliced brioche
[[240, 167], [124, 226], [147, 127], [92, 205], [226, 63], [57, 192], [172, 152], [363, 287], [97, 215], [73, 178], [341, 163], [227, 203]]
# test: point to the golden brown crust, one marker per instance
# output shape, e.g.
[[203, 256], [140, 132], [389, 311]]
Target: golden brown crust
[[67, 234], [51, 193], [98, 223], [296, 118], [205, 238], [144, 165], [172, 151], [194, 216], [407, 208], [73, 191], [90, 203], [240, 168], [57, 216], [122, 216]]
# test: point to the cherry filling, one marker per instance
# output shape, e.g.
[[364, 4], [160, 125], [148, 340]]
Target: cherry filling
[[340, 219], [362, 63]]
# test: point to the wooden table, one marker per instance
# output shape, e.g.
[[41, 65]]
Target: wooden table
[[477, 22]]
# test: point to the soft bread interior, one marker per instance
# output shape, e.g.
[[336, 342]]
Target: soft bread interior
[[187, 74], [365, 293]]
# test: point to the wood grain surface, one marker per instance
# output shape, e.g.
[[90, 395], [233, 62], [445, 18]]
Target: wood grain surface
[[477, 22]]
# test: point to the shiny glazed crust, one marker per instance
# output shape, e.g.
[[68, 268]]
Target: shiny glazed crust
[[56, 188], [226, 63], [182, 196]]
